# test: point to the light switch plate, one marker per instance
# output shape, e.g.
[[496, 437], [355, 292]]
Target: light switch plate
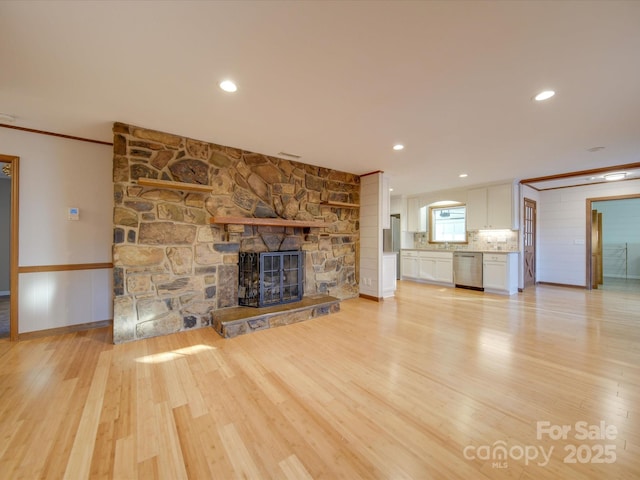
[[74, 213]]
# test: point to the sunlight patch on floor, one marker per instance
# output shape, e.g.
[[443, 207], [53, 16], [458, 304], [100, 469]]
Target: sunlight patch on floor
[[174, 354]]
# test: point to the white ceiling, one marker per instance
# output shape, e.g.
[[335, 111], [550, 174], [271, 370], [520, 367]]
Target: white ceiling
[[340, 82]]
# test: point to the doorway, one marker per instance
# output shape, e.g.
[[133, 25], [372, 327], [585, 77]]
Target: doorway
[[529, 237], [9, 246], [5, 245], [391, 241], [613, 243]]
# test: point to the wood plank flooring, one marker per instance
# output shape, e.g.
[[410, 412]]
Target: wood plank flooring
[[423, 386]]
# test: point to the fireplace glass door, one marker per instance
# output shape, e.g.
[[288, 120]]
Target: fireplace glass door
[[270, 278]]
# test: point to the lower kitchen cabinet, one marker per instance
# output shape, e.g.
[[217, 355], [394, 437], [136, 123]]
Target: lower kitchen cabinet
[[428, 266], [500, 272], [409, 264]]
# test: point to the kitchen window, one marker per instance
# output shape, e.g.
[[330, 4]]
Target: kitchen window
[[448, 224]]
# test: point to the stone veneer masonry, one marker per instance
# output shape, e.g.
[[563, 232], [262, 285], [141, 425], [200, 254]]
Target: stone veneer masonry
[[172, 268]]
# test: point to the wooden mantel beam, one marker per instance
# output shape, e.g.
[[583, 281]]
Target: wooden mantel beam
[[272, 222], [187, 187]]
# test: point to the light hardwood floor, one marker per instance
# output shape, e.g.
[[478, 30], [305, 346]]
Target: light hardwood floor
[[420, 386]]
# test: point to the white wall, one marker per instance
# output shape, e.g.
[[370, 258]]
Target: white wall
[[562, 227], [620, 237], [456, 195], [59, 299], [5, 233], [371, 235], [55, 174]]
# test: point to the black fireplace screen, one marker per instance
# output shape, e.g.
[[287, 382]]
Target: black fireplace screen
[[270, 278]]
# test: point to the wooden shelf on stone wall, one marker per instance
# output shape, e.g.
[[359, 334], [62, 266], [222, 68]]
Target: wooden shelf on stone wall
[[341, 204], [191, 187], [271, 222]]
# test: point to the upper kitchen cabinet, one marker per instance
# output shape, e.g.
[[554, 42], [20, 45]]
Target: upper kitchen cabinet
[[492, 208], [416, 215]]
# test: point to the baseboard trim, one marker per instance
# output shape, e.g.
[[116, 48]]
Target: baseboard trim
[[371, 297], [567, 285], [67, 329]]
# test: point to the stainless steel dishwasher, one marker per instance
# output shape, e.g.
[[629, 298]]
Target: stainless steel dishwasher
[[467, 270]]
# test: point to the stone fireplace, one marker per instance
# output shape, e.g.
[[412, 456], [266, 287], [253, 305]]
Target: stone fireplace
[[174, 269]]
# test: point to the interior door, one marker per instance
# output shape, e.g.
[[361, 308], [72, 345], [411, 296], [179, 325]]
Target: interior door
[[600, 256], [596, 249], [529, 234]]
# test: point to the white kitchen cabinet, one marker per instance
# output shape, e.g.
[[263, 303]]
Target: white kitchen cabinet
[[416, 215], [492, 208], [436, 266], [500, 273], [428, 266], [444, 270], [409, 264], [476, 209]]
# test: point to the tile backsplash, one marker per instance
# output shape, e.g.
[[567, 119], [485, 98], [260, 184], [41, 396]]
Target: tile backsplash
[[479, 240]]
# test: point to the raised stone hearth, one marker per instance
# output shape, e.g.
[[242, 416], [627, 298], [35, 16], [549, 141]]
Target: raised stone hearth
[[231, 322]]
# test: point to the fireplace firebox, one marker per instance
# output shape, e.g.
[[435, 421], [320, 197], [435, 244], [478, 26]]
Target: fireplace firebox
[[270, 278]]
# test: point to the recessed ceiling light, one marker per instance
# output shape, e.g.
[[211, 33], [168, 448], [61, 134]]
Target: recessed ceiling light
[[391, 189], [615, 176], [463, 175], [398, 146], [545, 95], [228, 86]]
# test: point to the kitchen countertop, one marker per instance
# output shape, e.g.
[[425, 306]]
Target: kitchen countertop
[[453, 250]]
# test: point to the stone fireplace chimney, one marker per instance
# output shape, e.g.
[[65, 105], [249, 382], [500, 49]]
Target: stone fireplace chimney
[[173, 268]]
